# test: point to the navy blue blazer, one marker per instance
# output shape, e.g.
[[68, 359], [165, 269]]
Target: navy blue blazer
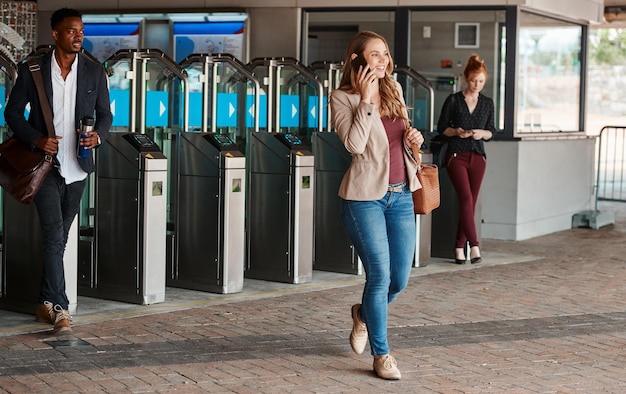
[[92, 99]]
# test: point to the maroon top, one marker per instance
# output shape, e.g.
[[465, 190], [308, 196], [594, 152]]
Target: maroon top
[[395, 135]]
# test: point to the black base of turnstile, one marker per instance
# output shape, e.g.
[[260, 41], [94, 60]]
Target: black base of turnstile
[[445, 219], [112, 271], [333, 251], [269, 248], [22, 257]]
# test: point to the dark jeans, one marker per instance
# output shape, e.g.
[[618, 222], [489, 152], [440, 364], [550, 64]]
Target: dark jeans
[[57, 205], [466, 171]]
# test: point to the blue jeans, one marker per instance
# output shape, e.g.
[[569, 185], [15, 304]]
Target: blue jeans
[[57, 205], [383, 233]]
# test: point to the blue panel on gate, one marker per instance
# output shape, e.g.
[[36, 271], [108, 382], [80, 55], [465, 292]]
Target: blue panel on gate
[[314, 112], [226, 109], [2, 94], [195, 109], [289, 110], [120, 107], [156, 108], [262, 111], [420, 114], [324, 111]]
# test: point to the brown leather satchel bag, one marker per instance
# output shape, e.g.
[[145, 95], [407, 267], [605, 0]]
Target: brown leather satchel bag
[[428, 197], [22, 169]]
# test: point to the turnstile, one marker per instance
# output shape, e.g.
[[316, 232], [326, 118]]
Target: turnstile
[[208, 177], [123, 257], [206, 246], [420, 98], [446, 219], [22, 256], [333, 250], [280, 212]]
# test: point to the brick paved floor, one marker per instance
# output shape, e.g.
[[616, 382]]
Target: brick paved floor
[[553, 323]]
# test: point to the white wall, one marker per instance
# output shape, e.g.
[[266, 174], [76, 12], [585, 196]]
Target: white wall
[[533, 188], [266, 40]]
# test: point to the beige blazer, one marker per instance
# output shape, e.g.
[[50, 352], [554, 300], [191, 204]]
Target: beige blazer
[[361, 130]]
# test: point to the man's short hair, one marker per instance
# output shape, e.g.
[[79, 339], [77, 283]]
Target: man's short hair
[[61, 14]]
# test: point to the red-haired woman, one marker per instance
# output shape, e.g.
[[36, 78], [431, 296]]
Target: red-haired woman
[[467, 118]]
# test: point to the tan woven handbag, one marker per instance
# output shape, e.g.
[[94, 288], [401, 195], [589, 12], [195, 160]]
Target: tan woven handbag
[[428, 197]]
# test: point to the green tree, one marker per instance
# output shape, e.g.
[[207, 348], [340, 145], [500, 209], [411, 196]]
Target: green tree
[[607, 46]]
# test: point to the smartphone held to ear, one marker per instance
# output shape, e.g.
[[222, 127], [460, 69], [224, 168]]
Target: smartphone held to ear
[[357, 62]]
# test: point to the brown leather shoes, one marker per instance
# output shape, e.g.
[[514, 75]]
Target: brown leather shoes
[[62, 320], [358, 336], [386, 367], [45, 313]]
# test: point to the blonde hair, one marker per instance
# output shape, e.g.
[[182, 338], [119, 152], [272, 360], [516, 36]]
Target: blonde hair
[[390, 100]]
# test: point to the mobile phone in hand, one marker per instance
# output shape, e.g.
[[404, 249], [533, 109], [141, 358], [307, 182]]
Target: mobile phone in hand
[[358, 61]]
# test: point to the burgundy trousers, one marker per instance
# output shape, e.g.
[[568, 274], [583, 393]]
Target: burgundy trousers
[[466, 172]]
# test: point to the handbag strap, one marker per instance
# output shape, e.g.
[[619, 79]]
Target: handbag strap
[[418, 158], [35, 70], [416, 150]]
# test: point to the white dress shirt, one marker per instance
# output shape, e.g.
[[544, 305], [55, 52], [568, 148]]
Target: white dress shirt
[[64, 110]]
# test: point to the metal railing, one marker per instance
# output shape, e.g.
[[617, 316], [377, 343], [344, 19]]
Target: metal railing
[[611, 164]]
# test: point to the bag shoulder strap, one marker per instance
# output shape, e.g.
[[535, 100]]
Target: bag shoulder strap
[[35, 70]]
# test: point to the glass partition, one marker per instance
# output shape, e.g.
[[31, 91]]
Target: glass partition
[[224, 96], [329, 33], [329, 74], [294, 99], [549, 75], [149, 95], [439, 52], [419, 97], [8, 75]]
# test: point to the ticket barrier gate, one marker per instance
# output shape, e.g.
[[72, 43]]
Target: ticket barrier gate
[[445, 219], [122, 257], [206, 249], [420, 99], [333, 251], [281, 172], [206, 229], [280, 209]]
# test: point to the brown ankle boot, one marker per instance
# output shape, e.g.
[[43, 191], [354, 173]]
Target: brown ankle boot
[[62, 320], [45, 313]]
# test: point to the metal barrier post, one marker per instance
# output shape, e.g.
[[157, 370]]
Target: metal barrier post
[[609, 172]]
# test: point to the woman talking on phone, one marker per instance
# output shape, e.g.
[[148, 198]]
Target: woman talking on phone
[[370, 117]]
